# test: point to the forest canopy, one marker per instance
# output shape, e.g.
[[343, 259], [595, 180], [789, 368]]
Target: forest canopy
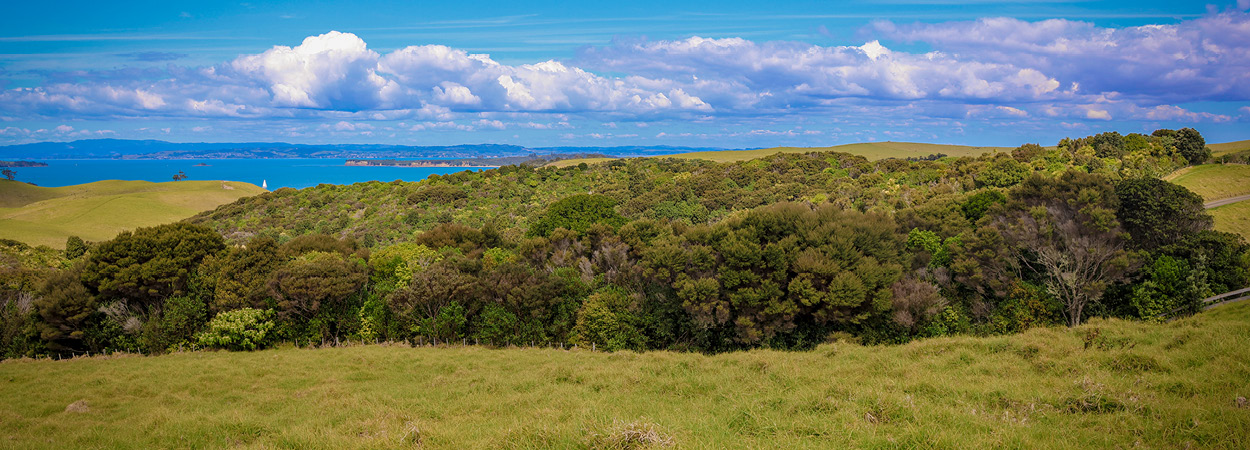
[[785, 251]]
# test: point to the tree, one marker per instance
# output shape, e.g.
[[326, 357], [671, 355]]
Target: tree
[[9, 173], [787, 266], [75, 247], [66, 308], [427, 293], [578, 213], [143, 267], [1156, 212], [240, 276], [1064, 230], [316, 280], [606, 320], [1192, 146], [1189, 143]]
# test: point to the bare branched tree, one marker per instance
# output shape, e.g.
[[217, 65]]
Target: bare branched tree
[[1075, 257]]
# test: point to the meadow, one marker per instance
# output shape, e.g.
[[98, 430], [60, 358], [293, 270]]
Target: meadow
[[98, 211], [1225, 148], [1105, 384], [1234, 218], [1214, 181]]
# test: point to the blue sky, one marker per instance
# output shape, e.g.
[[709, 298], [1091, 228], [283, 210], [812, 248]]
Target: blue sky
[[726, 74]]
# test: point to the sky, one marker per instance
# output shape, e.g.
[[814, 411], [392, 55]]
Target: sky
[[733, 74]]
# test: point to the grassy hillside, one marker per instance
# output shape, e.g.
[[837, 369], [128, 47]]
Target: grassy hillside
[[1107, 384], [1214, 181], [98, 211], [870, 150], [1234, 218], [1229, 147]]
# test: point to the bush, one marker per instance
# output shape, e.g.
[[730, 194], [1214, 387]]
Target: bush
[[241, 329], [606, 321], [176, 325]]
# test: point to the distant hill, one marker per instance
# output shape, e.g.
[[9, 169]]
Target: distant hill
[[150, 149], [870, 150], [98, 211], [1229, 147]]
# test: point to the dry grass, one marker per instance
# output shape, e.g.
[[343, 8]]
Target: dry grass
[[1107, 384]]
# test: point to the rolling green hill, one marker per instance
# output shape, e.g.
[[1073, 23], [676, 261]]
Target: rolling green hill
[[1214, 181], [1234, 218], [1106, 384], [98, 211], [1229, 147], [870, 150]]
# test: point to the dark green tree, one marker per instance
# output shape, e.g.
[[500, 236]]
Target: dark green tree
[[1192, 146], [306, 285], [66, 308], [1156, 212], [578, 213], [788, 266], [75, 247], [144, 267]]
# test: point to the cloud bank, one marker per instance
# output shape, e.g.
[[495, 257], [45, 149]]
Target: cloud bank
[[992, 68]]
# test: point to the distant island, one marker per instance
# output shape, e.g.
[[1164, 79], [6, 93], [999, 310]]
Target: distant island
[[151, 149], [22, 164], [532, 160]]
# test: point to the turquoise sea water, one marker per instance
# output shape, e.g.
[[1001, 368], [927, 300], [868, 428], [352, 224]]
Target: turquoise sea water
[[295, 173]]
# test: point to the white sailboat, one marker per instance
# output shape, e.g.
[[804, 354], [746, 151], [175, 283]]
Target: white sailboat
[[264, 184]]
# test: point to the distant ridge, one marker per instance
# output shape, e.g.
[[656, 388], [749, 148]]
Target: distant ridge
[[153, 149]]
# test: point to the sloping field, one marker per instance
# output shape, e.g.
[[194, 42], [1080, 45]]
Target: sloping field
[[1229, 147], [1106, 384], [870, 150], [1214, 181], [1234, 218], [98, 211]]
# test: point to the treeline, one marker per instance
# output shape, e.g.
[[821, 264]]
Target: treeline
[[781, 252]]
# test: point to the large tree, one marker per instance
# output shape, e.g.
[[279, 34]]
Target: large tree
[[789, 265], [1065, 231], [143, 267], [315, 281], [1156, 212]]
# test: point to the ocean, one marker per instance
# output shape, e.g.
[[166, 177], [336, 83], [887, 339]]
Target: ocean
[[293, 173]]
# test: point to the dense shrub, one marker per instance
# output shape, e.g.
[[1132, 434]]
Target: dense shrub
[[241, 329]]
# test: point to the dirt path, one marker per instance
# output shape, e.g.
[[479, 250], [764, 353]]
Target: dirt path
[[1225, 201]]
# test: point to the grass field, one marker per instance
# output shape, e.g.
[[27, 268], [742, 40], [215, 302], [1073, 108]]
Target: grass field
[[1214, 181], [1229, 147], [870, 150], [98, 211], [1234, 218], [1106, 384]]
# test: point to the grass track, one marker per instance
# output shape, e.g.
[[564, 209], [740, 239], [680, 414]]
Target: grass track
[[98, 211], [1136, 385]]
